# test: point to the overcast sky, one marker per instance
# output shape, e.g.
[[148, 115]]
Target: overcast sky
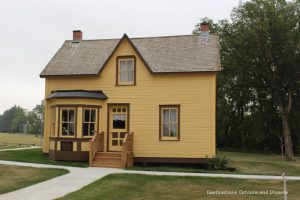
[[32, 31]]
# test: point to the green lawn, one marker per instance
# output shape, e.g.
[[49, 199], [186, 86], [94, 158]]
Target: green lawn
[[137, 187], [245, 163], [15, 140], [36, 156], [14, 177]]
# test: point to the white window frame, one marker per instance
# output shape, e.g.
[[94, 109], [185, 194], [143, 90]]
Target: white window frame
[[119, 81]]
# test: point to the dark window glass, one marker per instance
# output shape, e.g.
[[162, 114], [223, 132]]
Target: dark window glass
[[114, 135], [71, 129], [92, 128], [122, 135], [65, 129], [89, 123], [68, 122], [86, 115], [85, 129], [71, 115], [65, 115], [115, 142], [119, 121], [93, 115]]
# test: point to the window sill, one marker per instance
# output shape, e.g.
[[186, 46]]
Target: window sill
[[169, 139], [125, 84]]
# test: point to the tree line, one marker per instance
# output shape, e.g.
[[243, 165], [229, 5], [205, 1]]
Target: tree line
[[258, 103], [15, 117]]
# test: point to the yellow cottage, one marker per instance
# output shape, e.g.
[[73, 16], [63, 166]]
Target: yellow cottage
[[114, 102]]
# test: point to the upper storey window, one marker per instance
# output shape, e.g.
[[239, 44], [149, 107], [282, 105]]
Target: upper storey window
[[126, 70]]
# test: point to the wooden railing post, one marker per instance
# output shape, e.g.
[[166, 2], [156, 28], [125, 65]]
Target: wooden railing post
[[96, 144], [127, 150]]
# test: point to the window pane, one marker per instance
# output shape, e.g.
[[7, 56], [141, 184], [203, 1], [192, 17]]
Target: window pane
[[71, 129], [122, 135], [165, 130], [71, 116], [173, 130], [173, 115], [130, 65], [64, 129], [123, 77], [115, 135], [122, 65], [93, 116], [165, 116], [92, 129], [64, 115], [87, 115], [114, 142], [130, 76], [85, 129], [119, 121]]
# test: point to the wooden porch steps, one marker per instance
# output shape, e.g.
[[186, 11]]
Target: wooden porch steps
[[107, 159]]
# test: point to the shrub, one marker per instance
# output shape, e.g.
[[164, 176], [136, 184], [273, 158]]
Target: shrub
[[217, 163]]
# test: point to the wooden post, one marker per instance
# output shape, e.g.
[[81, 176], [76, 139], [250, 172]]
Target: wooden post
[[284, 186]]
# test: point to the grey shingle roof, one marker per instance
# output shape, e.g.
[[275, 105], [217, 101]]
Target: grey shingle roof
[[77, 94], [186, 53]]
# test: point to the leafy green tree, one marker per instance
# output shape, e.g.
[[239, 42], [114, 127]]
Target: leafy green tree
[[266, 45], [257, 87], [11, 119], [35, 119]]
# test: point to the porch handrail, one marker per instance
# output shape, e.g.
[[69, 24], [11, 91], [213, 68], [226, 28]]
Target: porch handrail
[[96, 144], [127, 148]]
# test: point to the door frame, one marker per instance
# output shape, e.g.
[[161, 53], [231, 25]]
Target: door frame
[[109, 106]]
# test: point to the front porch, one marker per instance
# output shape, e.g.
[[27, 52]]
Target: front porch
[[119, 159]]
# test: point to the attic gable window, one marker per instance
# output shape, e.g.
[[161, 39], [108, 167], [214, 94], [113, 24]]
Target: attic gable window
[[126, 67]]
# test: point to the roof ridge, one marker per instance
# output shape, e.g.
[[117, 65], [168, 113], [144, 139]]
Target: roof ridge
[[164, 36]]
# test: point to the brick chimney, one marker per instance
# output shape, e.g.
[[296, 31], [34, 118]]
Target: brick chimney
[[204, 27], [204, 31], [77, 35]]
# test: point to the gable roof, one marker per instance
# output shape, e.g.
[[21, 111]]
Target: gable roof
[[167, 54]]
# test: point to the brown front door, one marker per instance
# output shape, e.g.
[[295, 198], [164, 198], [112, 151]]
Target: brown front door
[[118, 126]]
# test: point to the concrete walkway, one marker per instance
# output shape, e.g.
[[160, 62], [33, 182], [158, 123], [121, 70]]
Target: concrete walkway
[[59, 186], [80, 177], [21, 148]]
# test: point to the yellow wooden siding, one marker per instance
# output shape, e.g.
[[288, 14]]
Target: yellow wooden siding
[[195, 92], [52, 145], [85, 146], [74, 146]]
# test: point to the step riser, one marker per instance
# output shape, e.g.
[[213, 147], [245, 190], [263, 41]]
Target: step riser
[[108, 155], [106, 165], [107, 159]]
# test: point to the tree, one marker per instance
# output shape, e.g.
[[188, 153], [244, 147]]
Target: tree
[[257, 86], [11, 119], [35, 119], [267, 35]]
